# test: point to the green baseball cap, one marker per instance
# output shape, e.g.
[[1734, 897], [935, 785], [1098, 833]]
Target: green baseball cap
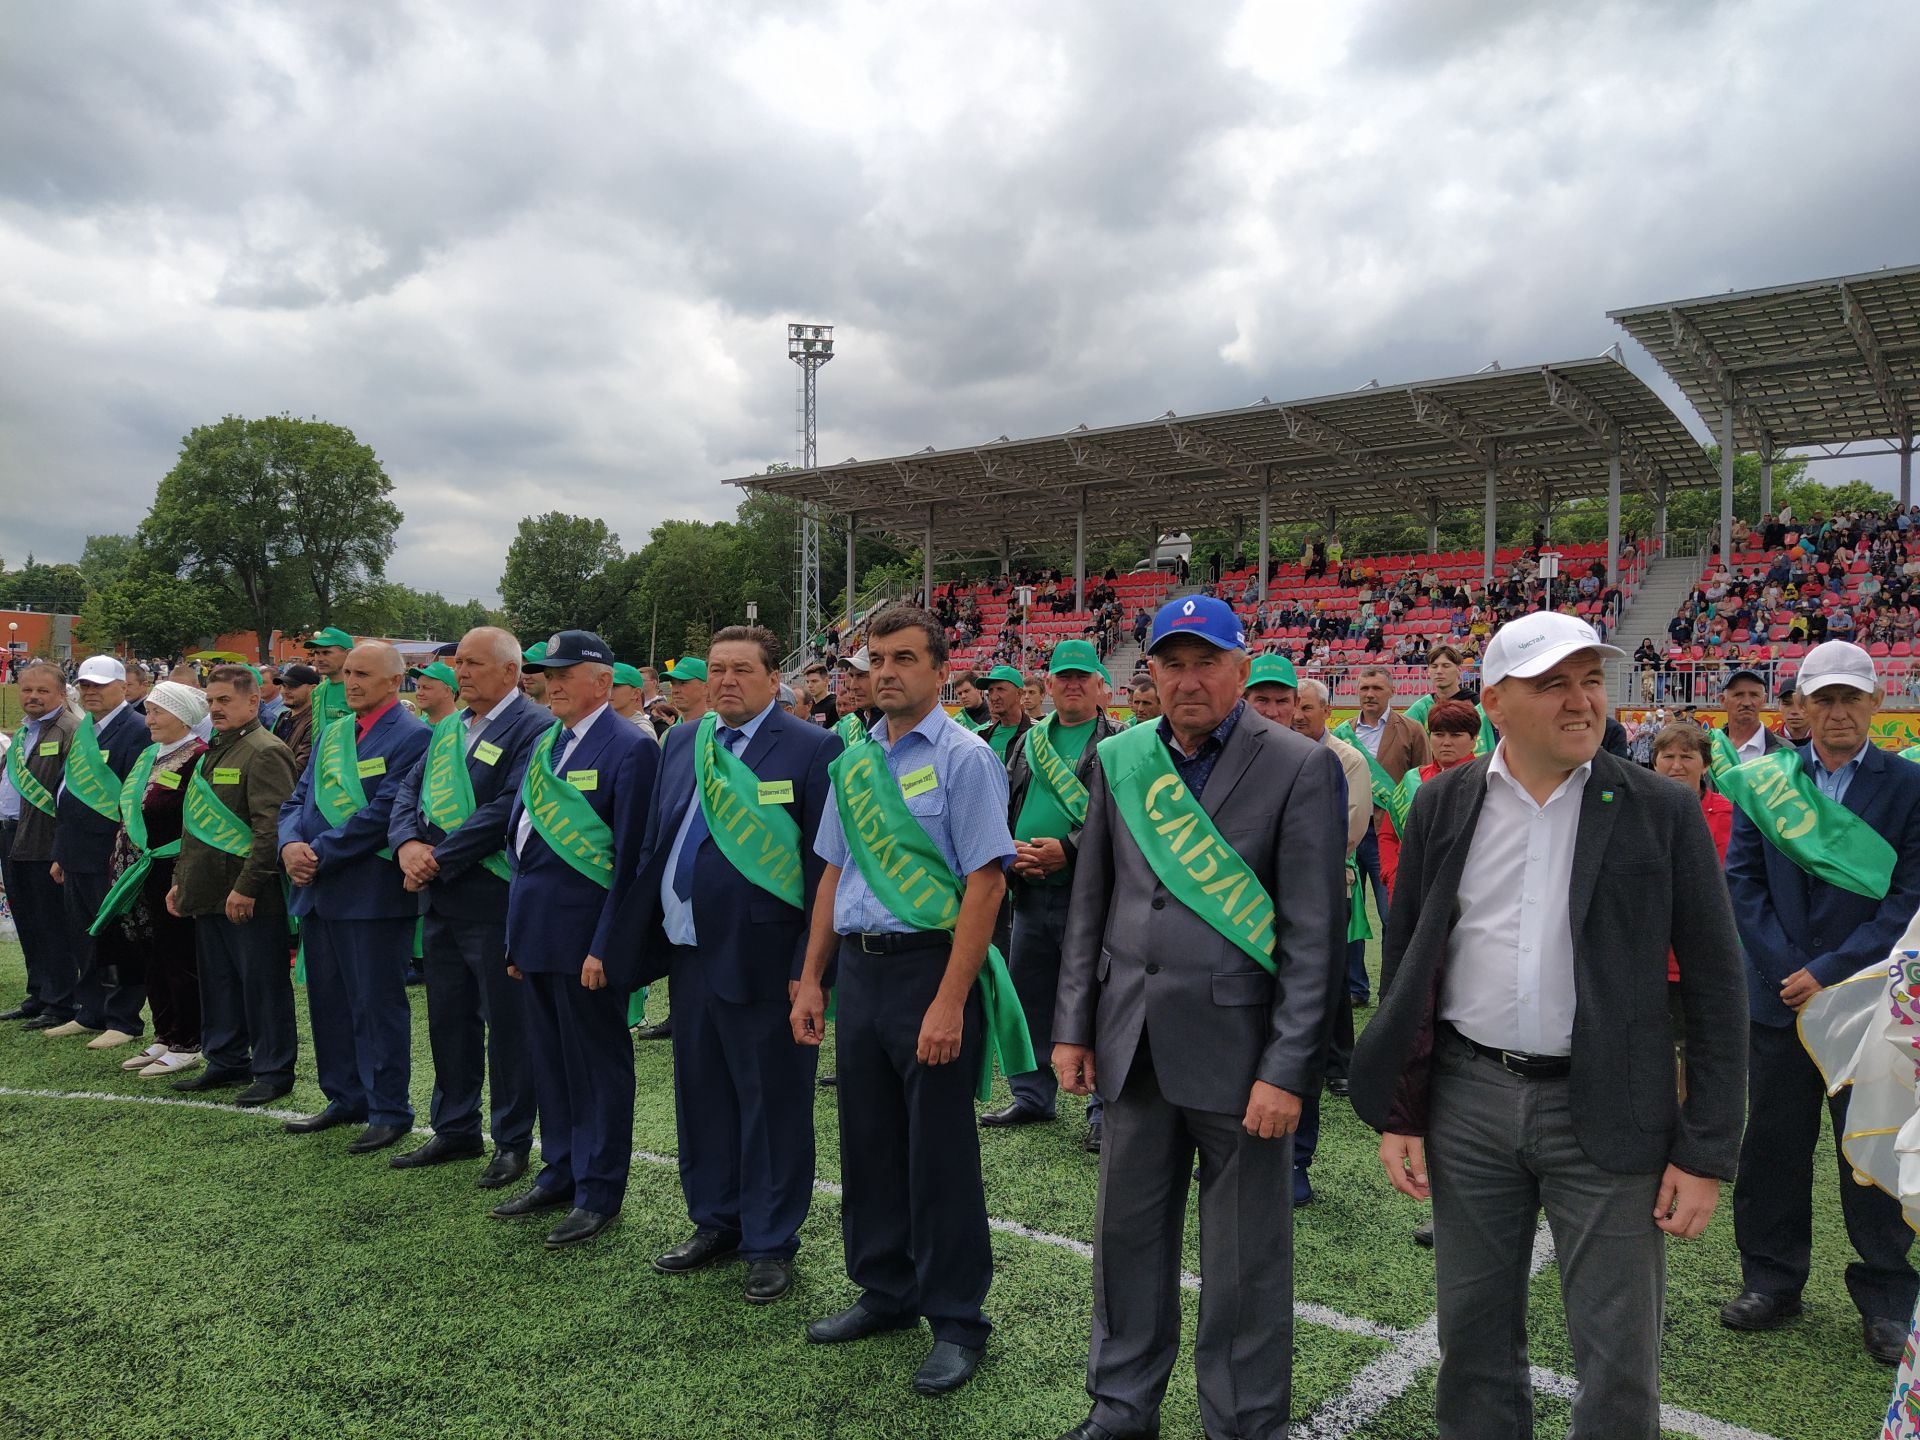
[[627, 675], [1007, 673], [331, 638], [1077, 656], [534, 654], [438, 670], [687, 667], [1273, 670]]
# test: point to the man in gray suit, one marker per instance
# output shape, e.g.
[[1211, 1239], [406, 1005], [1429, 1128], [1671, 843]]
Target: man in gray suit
[[1520, 1061], [1196, 990]]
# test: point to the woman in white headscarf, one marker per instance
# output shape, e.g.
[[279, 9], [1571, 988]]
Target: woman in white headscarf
[[139, 933]]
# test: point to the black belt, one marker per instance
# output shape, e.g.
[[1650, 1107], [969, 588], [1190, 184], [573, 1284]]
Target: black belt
[[1518, 1062], [898, 944]]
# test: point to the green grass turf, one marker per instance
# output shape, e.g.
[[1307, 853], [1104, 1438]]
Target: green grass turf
[[196, 1271]]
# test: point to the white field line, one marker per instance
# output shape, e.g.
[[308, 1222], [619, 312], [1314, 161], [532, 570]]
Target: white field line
[[1374, 1386]]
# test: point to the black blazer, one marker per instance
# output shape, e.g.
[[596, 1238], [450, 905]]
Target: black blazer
[[1645, 879], [83, 838]]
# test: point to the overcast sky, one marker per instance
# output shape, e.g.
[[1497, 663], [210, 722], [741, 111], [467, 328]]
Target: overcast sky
[[543, 256]]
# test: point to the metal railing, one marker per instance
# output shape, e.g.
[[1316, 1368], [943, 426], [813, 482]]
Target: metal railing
[[863, 605]]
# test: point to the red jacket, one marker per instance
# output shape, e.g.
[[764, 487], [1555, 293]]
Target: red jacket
[[1719, 812]]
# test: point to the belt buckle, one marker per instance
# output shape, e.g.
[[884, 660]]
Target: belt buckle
[[866, 944], [1516, 1064]]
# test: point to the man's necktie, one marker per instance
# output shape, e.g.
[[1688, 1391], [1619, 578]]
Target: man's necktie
[[696, 832], [560, 749]]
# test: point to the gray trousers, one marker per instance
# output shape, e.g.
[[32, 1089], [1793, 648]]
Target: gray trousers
[[1243, 1354], [1499, 1149], [477, 1028]]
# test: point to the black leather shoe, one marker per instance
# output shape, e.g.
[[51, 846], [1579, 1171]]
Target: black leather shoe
[[506, 1167], [768, 1280], [210, 1080], [1886, 1340], [856, 1322], [579, 1227], [662, 1031], [827, 1082], [1751, 1310], [19, 1012], [438, 1151], [1423, 1234], [947, 1367], [1091, 1429], [334, 1114], [700, 1249], [42, 1021], [1339, 1086], [535, 1198], [1092, 1145], [376, 1137], [1014, 1114], [260, 1092]]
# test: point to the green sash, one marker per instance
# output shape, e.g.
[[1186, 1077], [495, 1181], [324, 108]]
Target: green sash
[[1484, 745], [29, 788], [959, 717], [751, 827], [126, 889], [849, 728], [446, 790], [1912, 752], [1048, 763], [210, 821], [90, 780], [329, 704], [1386, 791], [1822, 837], [908, 874], [565, 818], [1418, 711], [1182, 844], [336, 777], [1359, 927]]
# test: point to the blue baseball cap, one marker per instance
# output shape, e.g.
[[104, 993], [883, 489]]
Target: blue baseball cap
[[572, 647], [1212, 620]]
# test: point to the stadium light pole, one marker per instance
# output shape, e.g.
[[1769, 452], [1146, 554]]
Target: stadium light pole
[[809, 347]]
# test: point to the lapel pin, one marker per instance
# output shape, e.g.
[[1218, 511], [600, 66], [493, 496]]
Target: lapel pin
[[1606, 797]]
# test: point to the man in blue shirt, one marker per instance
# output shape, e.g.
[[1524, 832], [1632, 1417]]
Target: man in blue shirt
[[911, 1026]]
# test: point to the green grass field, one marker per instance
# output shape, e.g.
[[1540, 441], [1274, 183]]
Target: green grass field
[[179, 1269]]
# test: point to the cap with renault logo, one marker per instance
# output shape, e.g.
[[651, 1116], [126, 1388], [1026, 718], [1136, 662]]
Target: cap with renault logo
[[1201, 615]]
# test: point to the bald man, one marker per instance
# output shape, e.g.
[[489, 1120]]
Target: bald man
[[356, 915]]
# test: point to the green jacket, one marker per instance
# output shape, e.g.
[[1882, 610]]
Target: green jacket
[[204, 876]]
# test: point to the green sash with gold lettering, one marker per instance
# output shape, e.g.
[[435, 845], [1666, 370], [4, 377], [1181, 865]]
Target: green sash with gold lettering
[[336, 776], [211, 821], [1386, 791], [1821, 836], [90, 779], [25, 784], [908, 874], [849, 728], [446, 790], [1050, 765], [126, 889], [564, 817], [749, 820], [1183, 846]]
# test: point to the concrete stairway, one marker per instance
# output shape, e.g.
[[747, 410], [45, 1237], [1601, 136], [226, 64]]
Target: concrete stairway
[[1664, 586]]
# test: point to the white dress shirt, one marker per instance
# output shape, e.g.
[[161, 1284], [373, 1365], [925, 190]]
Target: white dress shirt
[[477, 724], [559, 766], [676, 916], [1753, 747], [99, 724], [1509, 979]]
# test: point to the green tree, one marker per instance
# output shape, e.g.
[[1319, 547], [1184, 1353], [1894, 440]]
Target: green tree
[[106, 558], [55, 589], [336, 491], [150, 612], [565, 572]]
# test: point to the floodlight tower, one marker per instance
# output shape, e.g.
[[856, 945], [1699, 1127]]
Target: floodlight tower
[[809, 347]]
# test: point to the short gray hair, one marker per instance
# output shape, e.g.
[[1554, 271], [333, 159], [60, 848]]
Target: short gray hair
[[1317, 689]]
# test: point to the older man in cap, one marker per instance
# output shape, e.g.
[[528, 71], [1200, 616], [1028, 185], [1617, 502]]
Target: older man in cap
[[575, 834], [436, 689], [1742, 696], [356, 918], [108, 740], [858, 713], [1047, 783], [629, 695], [1005, 686], [327, 652], [1817, 901], [29, 807], [687, 679], [1195, 989]]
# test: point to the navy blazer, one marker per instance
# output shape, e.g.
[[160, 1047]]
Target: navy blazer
[[464, 888], [1790, 921], [751, 943], [556, 916], [82, 836], [353, 882]]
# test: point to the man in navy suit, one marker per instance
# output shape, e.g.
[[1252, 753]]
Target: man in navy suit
[[1800, 935], [732, 948], [356, 918], [108, 1002], [575, 835], [476, 1019]]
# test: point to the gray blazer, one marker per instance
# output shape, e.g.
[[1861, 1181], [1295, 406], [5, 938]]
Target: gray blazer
[[1645, 880], [1137, 962]]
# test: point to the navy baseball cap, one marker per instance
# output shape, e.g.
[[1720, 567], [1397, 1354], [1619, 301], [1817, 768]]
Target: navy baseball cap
[[573, 647], [1212, 620]]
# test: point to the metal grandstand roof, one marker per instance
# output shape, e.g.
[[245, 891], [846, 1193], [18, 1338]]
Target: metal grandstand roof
[[1824, 362], [1408, 449]]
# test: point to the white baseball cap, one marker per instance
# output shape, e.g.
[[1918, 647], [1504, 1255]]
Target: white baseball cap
[[1836, 662], [100, 670], [858, 660], [1535, 643]]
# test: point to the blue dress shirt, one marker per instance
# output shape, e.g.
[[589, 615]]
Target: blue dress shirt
[[10, 797], [1833, 783]]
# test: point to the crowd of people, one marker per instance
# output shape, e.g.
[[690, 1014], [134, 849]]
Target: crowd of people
[[1029, 885]]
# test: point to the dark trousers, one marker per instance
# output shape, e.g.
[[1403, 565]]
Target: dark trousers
[[105, 996], [1340, 1042], [1359, 987], [583, 1080], [40, 915], [172, 975], [743, 1109], [1243, 1353], [1039, 928], [914, 1211], [246, 997], [1773, 1195], [477, 1028], [357, 1005]]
